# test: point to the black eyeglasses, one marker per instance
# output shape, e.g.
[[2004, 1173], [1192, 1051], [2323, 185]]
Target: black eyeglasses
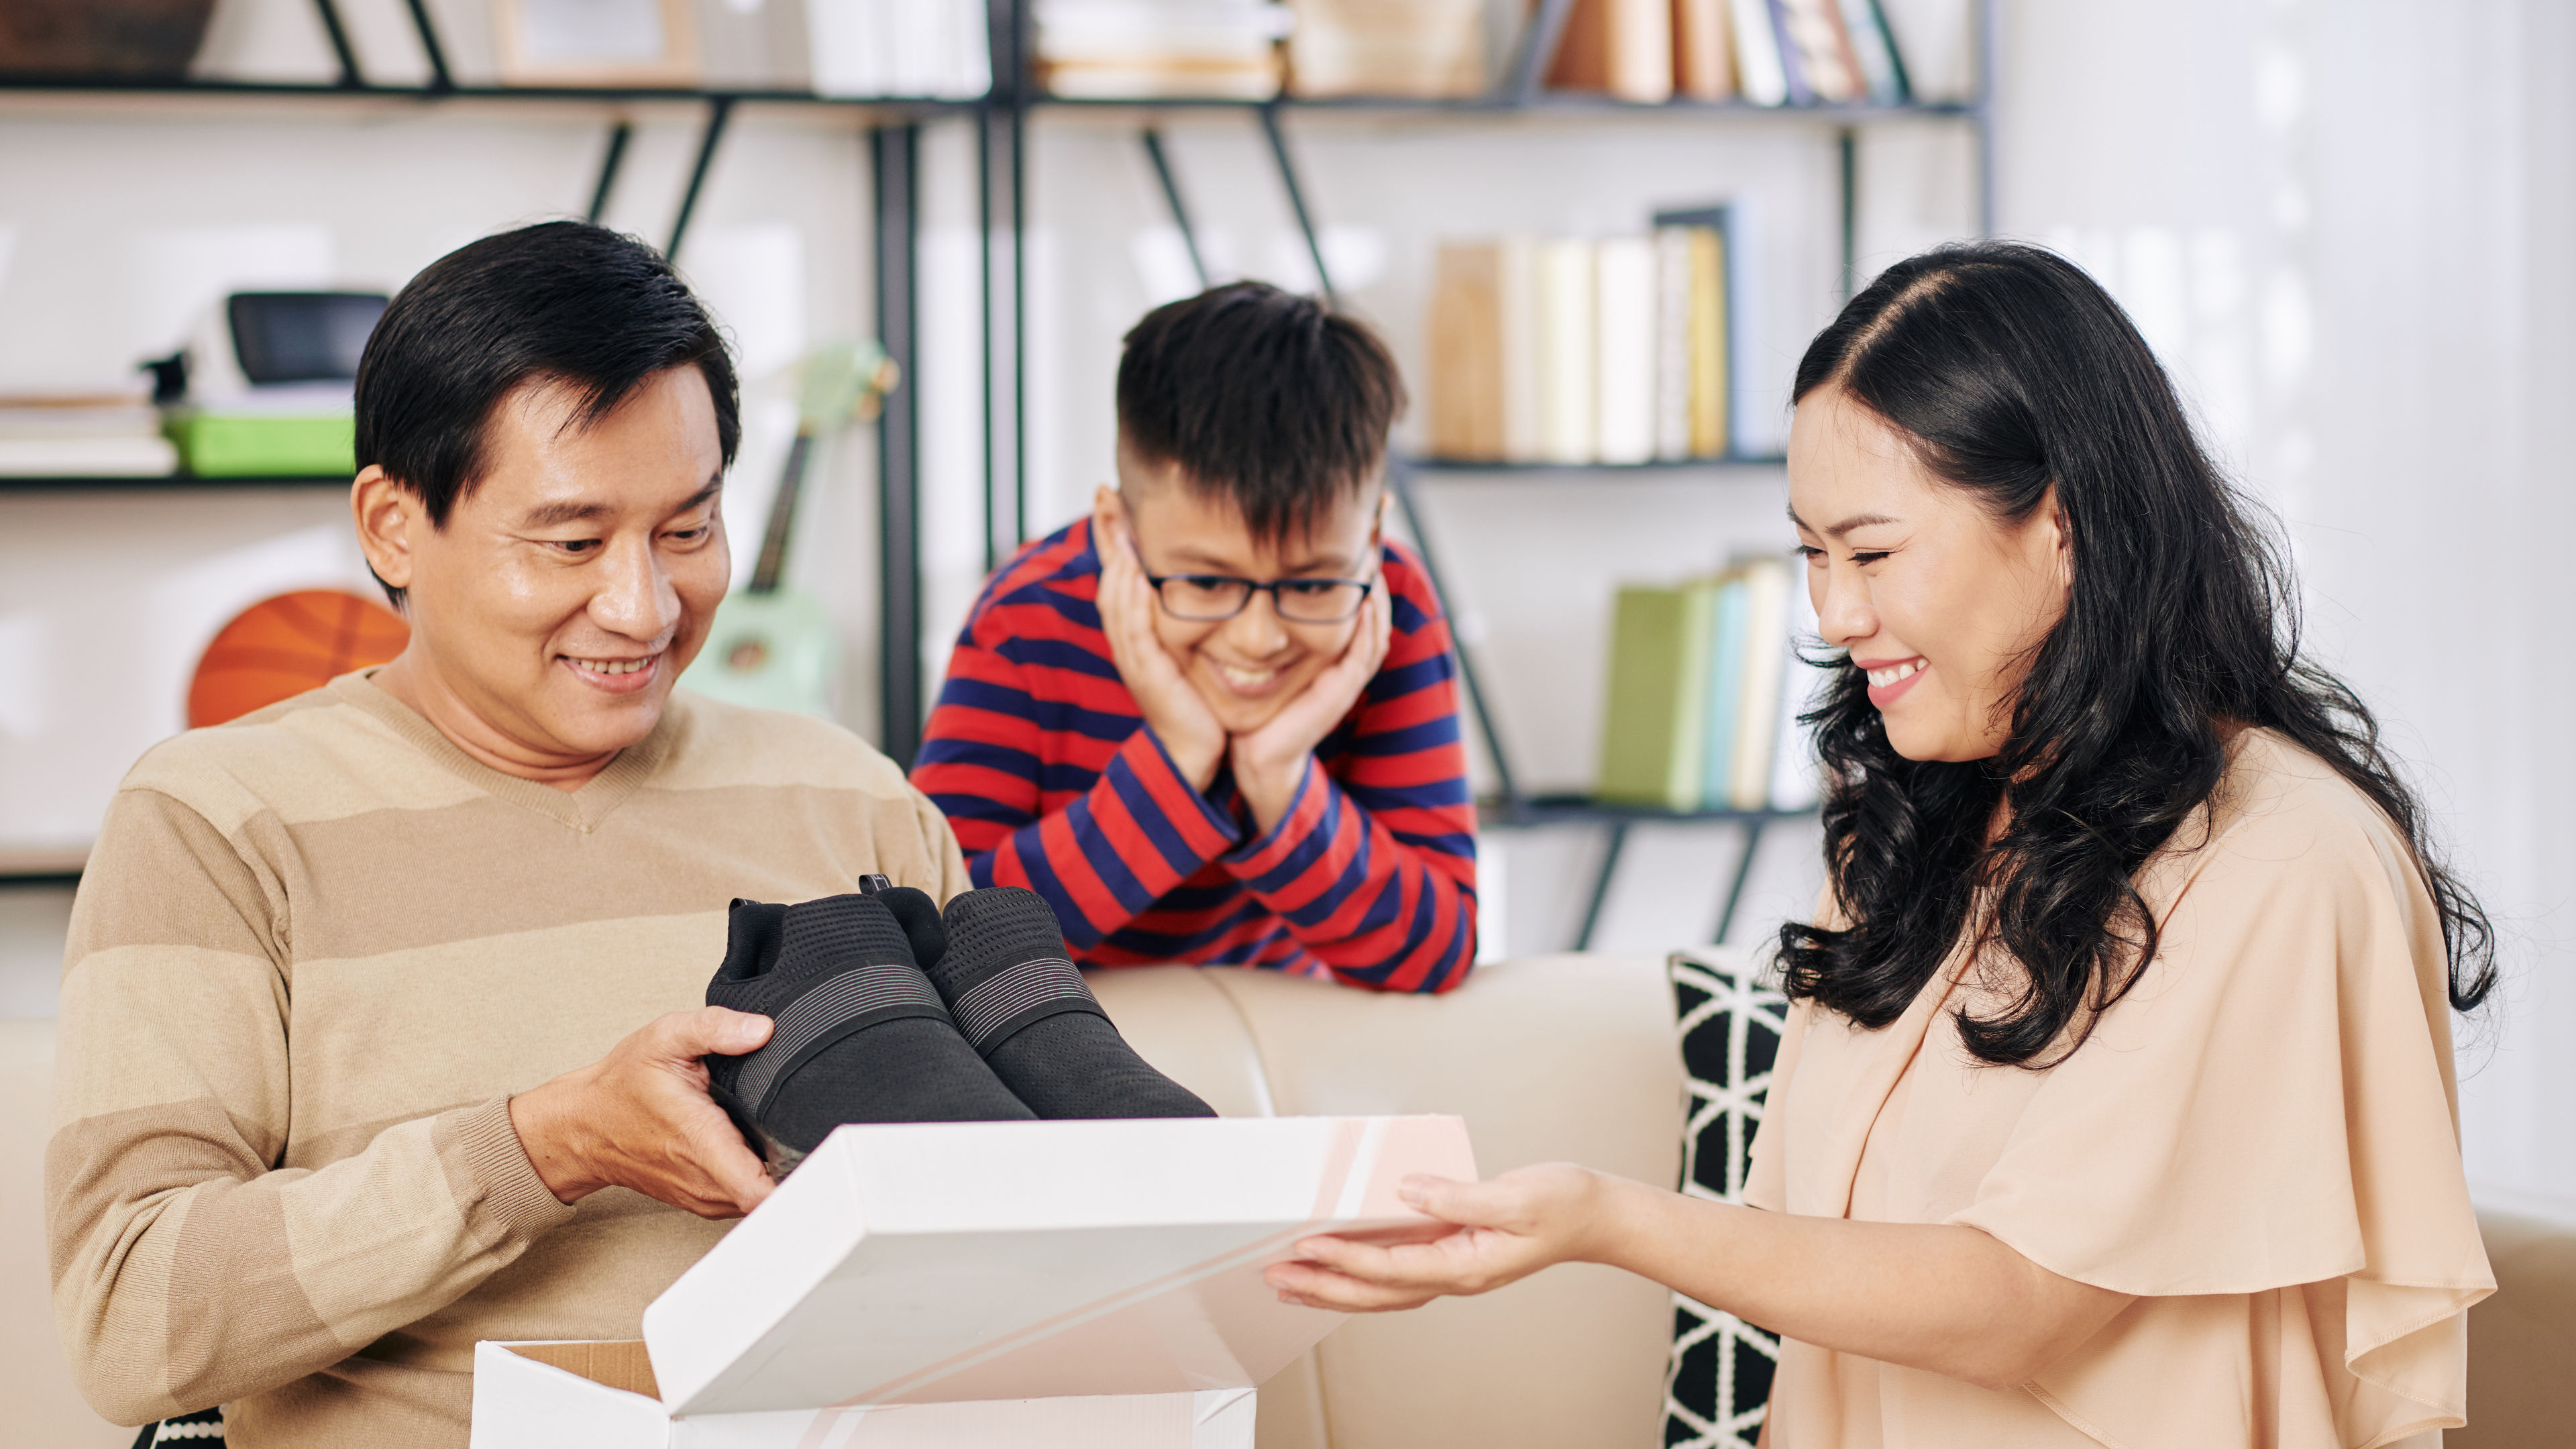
[[1210, 598]]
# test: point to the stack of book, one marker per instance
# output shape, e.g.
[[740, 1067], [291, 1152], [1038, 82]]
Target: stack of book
[[913, 48], [1768, 52], [1426, 49], [1699, 703], [1571, 351], [1154, 49], [84, 435]]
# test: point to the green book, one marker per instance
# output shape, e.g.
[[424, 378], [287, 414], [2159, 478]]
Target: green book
[[1653, 749], [252, 444]]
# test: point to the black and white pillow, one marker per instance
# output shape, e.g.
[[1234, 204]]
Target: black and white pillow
[[1718, 1383]]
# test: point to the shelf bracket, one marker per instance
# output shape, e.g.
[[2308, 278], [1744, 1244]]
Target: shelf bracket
[[439, 79], [1152, 136], [1537, 46], [895, 161], [1399, 476], [1743, 873], [618, 136], [1847, 154], [1297, 202], [719, 111], [1610, 852], [333, 28]]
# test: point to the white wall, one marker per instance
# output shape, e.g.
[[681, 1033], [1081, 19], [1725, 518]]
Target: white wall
[[2345, 227]]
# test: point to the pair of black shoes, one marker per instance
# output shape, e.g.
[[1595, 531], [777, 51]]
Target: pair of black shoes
[[886, 1011]]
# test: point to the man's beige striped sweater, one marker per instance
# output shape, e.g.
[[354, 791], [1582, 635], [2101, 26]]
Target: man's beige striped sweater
[[315, 952]]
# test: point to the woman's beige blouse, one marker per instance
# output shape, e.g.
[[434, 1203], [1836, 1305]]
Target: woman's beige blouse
[[2260, 1141]]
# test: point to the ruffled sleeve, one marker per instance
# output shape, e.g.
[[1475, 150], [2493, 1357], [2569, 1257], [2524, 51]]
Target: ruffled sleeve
[[2271, 1107]]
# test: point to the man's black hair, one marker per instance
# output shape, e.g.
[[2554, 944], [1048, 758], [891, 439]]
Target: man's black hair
[[563, 303], [1266, 399]]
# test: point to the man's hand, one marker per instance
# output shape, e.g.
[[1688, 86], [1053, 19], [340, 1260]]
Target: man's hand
[[1509, 1228], [1173, 708], [1270, 761], [640, 1118]]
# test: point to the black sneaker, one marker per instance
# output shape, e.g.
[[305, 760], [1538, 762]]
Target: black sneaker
[[1015, 993], [860, 1034]]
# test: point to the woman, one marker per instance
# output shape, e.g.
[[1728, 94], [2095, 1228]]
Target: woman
[[2116, 1103]]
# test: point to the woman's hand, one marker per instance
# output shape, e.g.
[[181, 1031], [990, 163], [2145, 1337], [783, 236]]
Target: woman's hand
[[1508, 1228], [1172, 707], [1271, 761]]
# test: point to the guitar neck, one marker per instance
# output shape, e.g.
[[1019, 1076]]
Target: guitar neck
[[782, 516]]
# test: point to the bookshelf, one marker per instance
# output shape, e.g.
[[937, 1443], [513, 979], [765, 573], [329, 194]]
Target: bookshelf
[[1001, 119]]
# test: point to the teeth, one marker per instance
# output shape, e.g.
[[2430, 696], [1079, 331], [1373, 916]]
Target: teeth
[[1895, 673], [613, 666], [1246, 679]]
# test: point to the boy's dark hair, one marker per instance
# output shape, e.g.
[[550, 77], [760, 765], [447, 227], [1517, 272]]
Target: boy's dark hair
[[1267, 399], [562, 302]]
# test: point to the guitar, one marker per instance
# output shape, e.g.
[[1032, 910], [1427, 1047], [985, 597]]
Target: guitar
[[771, 647]]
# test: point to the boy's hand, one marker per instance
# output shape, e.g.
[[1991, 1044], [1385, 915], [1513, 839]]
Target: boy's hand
[[1172, 706], [1269, 762]]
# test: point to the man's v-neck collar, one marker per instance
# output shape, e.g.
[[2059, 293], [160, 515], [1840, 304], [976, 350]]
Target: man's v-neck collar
[[583, 809]]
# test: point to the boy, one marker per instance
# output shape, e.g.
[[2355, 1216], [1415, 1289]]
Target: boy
[[1216, 721]]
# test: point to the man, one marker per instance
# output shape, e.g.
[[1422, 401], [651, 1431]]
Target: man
[[376, 1033], [1216, 721]]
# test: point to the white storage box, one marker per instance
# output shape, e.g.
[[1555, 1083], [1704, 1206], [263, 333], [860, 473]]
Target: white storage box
[[955, 1286]]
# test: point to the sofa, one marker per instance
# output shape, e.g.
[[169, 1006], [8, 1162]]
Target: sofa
[[1560, 1057]]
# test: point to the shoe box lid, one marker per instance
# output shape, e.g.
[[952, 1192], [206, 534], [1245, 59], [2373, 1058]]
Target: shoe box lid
[[949, 1262]]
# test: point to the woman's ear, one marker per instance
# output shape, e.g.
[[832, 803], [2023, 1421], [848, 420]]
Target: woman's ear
[[385, 513]]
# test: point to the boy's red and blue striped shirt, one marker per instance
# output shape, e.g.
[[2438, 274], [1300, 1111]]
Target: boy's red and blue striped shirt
[[1043, 764]]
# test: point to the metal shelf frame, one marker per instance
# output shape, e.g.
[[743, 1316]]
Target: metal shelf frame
[[1001, 118]]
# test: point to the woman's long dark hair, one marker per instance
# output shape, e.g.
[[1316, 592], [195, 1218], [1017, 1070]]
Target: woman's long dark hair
[[2009, 370]]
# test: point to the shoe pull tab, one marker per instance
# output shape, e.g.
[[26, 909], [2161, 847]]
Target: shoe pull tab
[[872, 883]]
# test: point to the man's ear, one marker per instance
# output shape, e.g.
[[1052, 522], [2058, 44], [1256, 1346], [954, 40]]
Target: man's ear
[[386, 513]]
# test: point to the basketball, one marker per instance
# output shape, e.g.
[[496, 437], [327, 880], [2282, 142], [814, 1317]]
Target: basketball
[[278, 648]]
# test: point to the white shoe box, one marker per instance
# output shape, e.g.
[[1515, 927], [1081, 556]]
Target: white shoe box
[[1083, 1285]]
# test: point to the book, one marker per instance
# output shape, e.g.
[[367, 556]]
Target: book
[[1567, 366], [1725, 690], [1712, 338], [1822, 53], [1624, 326], [1759, 74], [1874, 51], [1420, 48], [1152, 49], [1621, 47], [1467, 352], [1796, 783], [1766, 650], [1784, 40], [1936, 46], [1516, 293], [1657, 704], [1673, 309], [1703, 53]]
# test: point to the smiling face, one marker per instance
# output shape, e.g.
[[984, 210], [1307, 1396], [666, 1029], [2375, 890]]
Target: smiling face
[[570, 586], [1936, 599], [1248, 667]]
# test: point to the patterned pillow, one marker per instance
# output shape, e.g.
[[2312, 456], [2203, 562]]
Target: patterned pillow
[[1718, 1384]]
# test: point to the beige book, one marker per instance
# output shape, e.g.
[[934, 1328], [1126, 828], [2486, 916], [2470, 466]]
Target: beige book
[[1710, 382], [1672, 342], [1703, 58], [1623, 324], [1623, 47], [1421, 48], [1516, 295], [1766, 656], [1567, 362], [1467, 352]]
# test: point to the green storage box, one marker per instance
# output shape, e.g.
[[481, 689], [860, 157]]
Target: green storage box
[[265, 445]]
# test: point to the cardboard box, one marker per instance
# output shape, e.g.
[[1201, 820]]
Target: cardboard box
[[952, 1286]]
